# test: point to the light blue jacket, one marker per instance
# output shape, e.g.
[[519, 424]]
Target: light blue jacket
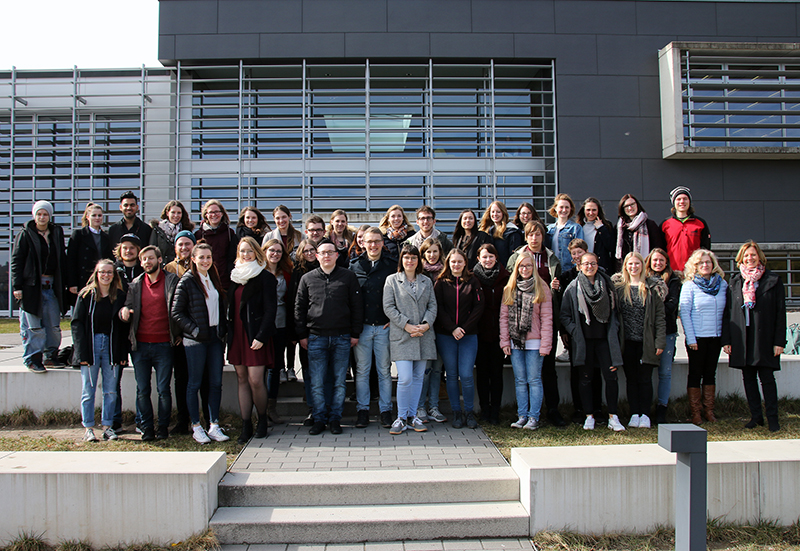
[[701, 313], [572, 230]]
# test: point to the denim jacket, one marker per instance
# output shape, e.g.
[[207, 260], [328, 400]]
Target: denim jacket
[[572, 230]]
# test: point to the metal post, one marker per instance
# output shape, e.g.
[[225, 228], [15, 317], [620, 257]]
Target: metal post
[[691, 477]]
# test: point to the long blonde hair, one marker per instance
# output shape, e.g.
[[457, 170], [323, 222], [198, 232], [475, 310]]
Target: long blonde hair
[[625, 283], [487, 224], [94, 284], [510, 290], [87, 212]]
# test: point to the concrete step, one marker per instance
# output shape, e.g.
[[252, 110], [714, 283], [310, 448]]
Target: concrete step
[[421, 486], [359, 523]]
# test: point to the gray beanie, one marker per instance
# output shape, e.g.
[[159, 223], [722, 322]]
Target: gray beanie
[[39, 205]]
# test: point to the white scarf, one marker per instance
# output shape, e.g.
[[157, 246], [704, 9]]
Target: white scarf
[[245, 271]]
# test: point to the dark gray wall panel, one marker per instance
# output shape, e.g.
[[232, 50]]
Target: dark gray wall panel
[[702, 176], [755, 19], [166, 46], [629, 55], [532, 16], [535, 45], [216, 46], [187, 17], [257, 16], [375, 45], [299, 45], [676, 17], [607, 179], [649, 97], [590, 16], [747, 180], [738, 221], [321, 16], [472, 45], [630, 138], [426, 16], [605, 96], [578, 137]]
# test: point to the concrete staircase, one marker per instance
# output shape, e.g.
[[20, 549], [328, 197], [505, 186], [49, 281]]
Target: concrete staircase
[[378, 505]]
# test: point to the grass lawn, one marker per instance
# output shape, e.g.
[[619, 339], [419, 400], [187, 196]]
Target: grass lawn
[[11, 325]]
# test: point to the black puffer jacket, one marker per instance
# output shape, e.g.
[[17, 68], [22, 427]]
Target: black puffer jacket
[[258, 306], [83, 330], [190, 312]]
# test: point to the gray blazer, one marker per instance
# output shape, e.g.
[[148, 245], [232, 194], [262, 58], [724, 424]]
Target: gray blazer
[[402, 307]]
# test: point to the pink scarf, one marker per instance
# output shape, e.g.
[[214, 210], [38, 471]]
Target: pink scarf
[[751, 276], [641, 239]]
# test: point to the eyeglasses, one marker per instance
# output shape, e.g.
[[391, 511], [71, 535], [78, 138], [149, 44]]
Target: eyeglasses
[[526, 267], [629, 205], [315, 230], [326, 253], [273, 251], [424, 218], [213, 213], [309, 251]]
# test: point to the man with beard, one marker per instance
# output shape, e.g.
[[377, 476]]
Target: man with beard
[[130, 223], [152, 335]]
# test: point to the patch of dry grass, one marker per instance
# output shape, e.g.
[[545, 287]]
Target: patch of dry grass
[[205, 541]]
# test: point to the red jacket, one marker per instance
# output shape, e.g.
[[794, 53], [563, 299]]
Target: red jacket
[[683, 238]]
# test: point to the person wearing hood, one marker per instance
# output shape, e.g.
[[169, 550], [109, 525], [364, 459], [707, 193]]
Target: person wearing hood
[[38, 260], [684, 232], [216, 230]]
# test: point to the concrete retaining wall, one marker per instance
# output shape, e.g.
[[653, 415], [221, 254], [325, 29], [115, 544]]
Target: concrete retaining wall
[[630, 488], [108, 498]]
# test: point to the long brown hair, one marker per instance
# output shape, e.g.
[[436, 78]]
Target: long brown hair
[[285, 263], [447, 275], [94, 284], [262, 226], [348, 234], [648, 268], [292, 235], [212, 271], [186, 222]]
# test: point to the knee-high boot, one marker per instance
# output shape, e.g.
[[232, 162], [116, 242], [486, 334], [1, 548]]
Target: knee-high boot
[[709, 396], [695, 405]]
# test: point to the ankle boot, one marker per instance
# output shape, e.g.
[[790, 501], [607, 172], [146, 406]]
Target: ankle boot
[[272, 412], [709, 396], [695, 405], [263, 426], [247, 431], [661, 414]]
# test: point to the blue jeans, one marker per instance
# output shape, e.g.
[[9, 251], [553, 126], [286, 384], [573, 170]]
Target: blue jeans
[[458, 357], [146, 357], [89, 374], [201, 357], [373, 339], [327, 363], [527, 366], [665, 370], [41, 335], [431, 383], [409, 384]]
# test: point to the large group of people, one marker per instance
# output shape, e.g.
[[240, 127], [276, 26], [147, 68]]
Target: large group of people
[[174, 297]]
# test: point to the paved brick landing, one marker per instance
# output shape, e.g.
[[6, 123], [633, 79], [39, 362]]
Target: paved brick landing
[[291, 448]]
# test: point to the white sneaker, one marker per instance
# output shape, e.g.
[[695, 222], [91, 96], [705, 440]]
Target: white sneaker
[[520, 423], [644, 422], [563, 357], [614, 424], [589, 423], [200, 436], [89, 436], [216, 434], [109, 434], [418, 426], [532, 424], [422, 415], [634, 422], [290, 375]]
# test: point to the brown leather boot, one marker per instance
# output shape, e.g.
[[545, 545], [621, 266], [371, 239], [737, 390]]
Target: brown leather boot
[[272, 412], [695, 405], [709, 395]]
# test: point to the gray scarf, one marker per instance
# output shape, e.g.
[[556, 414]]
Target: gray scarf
[[595, 297], [520, 314]]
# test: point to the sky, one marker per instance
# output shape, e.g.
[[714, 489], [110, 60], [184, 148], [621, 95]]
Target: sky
[[58, 34]]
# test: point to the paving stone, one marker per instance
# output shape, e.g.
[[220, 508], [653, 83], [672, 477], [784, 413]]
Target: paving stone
[[384, 546], [423, 546], [458, 545]]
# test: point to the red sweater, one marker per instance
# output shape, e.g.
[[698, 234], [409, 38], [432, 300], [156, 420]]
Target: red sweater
[[683, 238], [154, 317]]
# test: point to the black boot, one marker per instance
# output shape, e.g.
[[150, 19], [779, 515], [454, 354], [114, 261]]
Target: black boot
[[661, 414], [770, 390], [263, 426], [247, 431]]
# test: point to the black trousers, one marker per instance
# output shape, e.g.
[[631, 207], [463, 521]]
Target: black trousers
[[598, 358], [750, 376], [489, 375], [703, 362], [638, 378]]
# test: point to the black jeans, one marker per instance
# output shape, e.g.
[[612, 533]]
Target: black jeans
[[638, 378], [489, 375], [703, 362], [598, 358], [750, 376], [550, 378]]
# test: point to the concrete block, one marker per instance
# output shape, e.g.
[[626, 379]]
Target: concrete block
[[67, 495]]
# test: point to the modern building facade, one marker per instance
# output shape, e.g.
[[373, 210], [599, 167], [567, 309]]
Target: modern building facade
[[362, 104]]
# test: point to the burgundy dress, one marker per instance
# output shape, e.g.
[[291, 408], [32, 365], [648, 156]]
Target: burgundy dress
[[239, 352]]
